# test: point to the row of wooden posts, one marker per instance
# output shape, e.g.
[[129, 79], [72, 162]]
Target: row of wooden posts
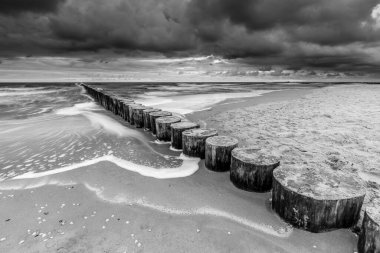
[[250, 169]]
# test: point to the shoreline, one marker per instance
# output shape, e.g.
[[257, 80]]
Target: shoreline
[[232, 104], [204, 211]]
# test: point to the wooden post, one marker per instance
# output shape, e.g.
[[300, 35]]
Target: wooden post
[[138, 115], [130, 112], [176, 132], [163, 131], [218, 152], [124, 109], [252, 169], [316, 197], [369, 238], [127, 106], [194, 140], [154, 115], [147, 119]]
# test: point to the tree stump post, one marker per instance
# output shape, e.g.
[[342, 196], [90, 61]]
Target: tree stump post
[[252, 169], [147, 119], [124, 108], [163, 130], [369, 238], [130, 112], [154, 115], [194, 141], [138, 119], [176, 132], [316, 197], [218, 152]]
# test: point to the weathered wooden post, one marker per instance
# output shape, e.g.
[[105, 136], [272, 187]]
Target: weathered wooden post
[[163, 130], [138, 116], [130, 112], [154, 115], [194, 141], [315, 197], [127, 107], [369, 238], [218, 152], [176, 132], [147, 119], [252, 169], [114, 104], [124, 108]]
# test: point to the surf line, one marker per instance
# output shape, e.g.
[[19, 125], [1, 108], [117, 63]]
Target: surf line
[[188, 168], [88, 110], [204, 211]]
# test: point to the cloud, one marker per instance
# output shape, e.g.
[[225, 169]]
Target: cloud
[[38, 6], [131, 25], [335, 35], [375, 14]]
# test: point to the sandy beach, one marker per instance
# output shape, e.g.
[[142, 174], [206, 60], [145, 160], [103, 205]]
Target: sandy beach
[[110, 205], [338, 126]]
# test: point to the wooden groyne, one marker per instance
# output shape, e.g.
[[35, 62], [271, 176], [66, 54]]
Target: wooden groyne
[[311, 197]]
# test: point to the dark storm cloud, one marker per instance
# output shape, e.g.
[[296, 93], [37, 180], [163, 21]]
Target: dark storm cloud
[[39, 6], [132, 25], [336, 34], [327, 22]]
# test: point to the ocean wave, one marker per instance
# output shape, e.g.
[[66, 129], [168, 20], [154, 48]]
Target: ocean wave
[[188, 168]]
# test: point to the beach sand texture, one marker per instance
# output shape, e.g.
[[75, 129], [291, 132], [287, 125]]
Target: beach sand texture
[[337, 126]]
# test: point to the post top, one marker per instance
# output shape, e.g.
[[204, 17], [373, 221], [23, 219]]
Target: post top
[[255, 155], [160, 113], [201, 132], [184, 125], [222, 141], [151, 110], [168, 119], [319, 181]]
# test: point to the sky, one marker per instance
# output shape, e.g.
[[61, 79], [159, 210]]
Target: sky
[[189, 40]]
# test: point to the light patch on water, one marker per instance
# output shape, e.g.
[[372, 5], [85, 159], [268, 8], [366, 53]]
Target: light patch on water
[[24, 92], [192, 103], [188, 168]]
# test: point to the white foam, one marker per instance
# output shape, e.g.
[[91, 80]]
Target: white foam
[[188, 168], [191, 103], [174, 149], [104, 122], [78, 109], [158, 142], [99, 120]]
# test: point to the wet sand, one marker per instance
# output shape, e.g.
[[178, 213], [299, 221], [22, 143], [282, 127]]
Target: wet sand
[[105, 208]]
